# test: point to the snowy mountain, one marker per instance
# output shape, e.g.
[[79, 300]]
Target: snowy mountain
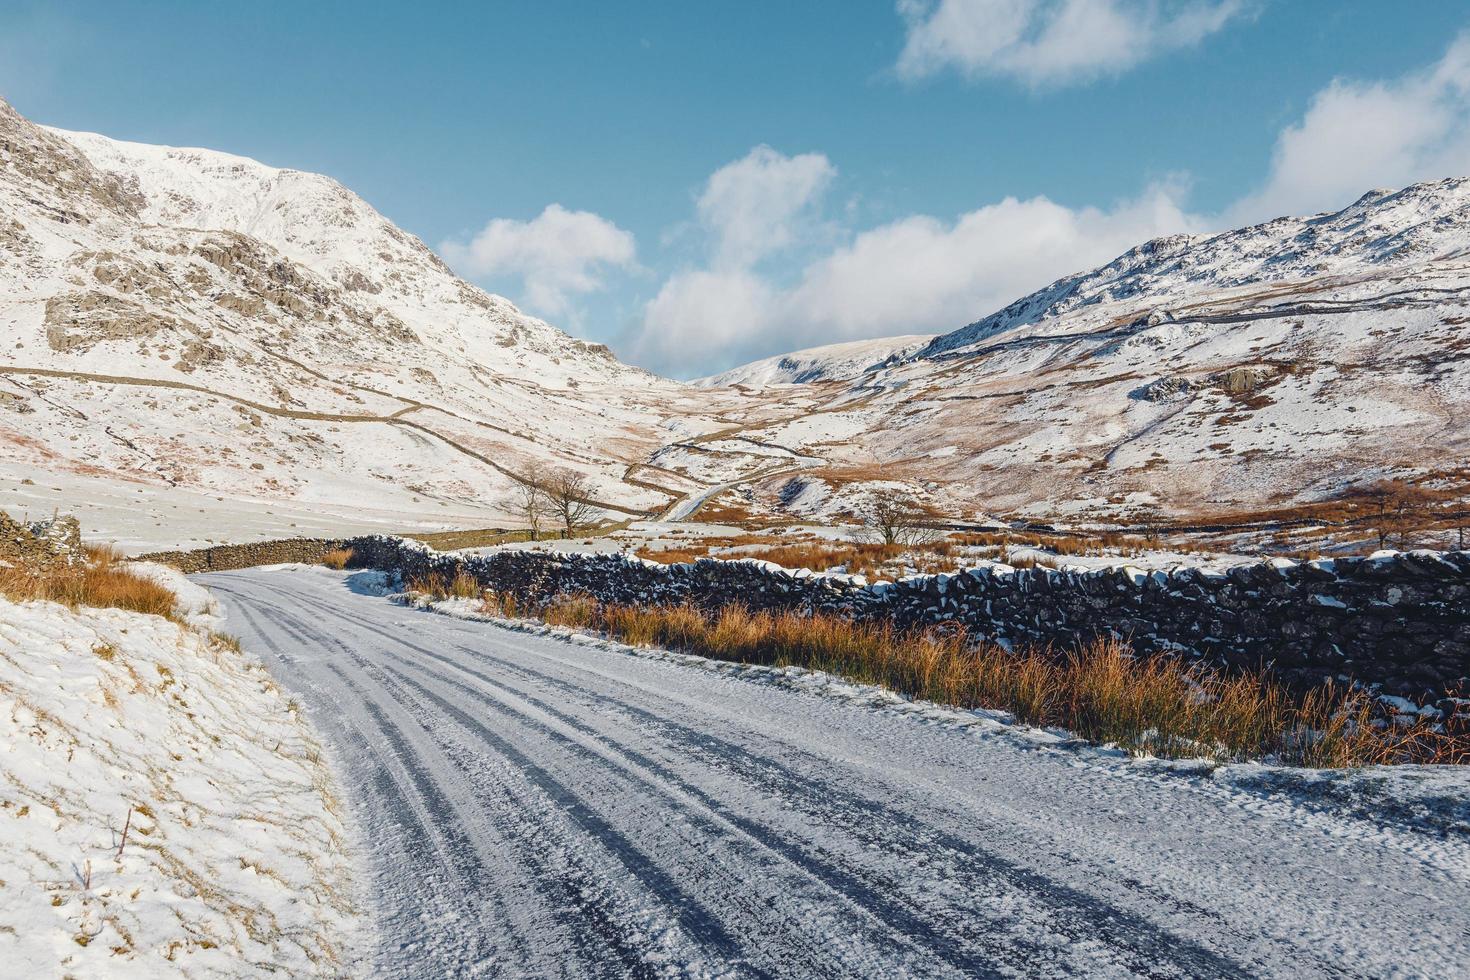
[[1381, 231], [831, 362], [199, 326], [1191, 376], [200, 346]]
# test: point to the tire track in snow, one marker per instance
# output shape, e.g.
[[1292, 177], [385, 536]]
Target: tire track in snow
[[1072, 913], [697, 920], [949, 934], [440, 848], [843, 885], [1036, 863]]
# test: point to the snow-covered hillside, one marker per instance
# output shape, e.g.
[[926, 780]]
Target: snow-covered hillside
[[235, 861], [832, 362], [1191, 376], [1383, 232], [203, 347], [182, 319]]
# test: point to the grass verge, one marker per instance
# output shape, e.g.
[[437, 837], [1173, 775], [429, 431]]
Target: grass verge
[[1159, 706], [101, 580]]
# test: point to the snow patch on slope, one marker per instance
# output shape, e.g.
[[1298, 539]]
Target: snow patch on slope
[[236, 860]]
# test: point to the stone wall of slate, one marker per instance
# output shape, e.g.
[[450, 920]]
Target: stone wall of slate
[[1400, 620]]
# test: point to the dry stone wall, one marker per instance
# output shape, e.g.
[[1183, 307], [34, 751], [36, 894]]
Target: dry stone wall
[[1401, 620], [224, 558], [40, 544]]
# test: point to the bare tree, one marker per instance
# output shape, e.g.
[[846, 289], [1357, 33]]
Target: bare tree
[[1396, 508], [529, 500], [894, 519], [566, 492]]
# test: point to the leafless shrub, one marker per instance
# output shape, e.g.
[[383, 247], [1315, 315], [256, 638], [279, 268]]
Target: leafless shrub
[[896, 519]]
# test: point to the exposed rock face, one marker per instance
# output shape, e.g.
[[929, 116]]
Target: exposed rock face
[[1163, 390], [1243, 380]]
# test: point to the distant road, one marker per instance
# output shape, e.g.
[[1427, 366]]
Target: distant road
[[531, 807]]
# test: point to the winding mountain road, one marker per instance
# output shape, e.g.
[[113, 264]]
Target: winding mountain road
[[534, 807]]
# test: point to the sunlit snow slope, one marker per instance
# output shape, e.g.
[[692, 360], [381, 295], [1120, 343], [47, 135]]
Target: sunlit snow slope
[[186, 321], [1192, 375]]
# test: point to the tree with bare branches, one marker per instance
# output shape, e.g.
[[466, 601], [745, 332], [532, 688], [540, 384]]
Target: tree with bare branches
[[566, 492], [1397, 508], [529, 500], [895, 519]]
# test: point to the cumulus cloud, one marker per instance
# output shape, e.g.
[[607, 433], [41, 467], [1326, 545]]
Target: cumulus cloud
[[557, 255], [752, 205], [921, 274], [702, 317], [1356, 136], [1051, 42], [915, 275]]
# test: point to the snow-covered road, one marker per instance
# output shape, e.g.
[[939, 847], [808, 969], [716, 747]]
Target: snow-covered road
[[531, 807]]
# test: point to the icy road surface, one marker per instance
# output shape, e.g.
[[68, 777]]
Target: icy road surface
[[530, 807]]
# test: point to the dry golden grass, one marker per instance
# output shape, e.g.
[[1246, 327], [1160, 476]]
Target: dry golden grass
[[462, 586], [674, 556], [101, 580], [859, 558], [1156, 706], [338, 558]]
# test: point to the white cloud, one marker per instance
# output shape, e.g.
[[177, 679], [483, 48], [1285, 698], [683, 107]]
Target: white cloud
[[1052, 42], [700, 317], [1356, 136], [919, 274], [752, 205], [557, 254]]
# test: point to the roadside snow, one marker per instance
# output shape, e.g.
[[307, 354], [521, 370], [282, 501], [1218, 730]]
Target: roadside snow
[[236, 860]]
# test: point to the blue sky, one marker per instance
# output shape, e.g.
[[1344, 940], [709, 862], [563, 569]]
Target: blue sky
[[727, 180]]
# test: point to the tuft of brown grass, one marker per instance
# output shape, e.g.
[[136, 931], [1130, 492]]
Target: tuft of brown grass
[[99, 581], [228, 642], [436, 586], [338, 558], [1157, 706]]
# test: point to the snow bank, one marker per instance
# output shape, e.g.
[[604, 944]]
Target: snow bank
[[235, 861]]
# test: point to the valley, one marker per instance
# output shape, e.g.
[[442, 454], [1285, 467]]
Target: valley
[[190, 324]]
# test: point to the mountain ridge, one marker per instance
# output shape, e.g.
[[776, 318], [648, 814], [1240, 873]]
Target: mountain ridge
[[249, 342]]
